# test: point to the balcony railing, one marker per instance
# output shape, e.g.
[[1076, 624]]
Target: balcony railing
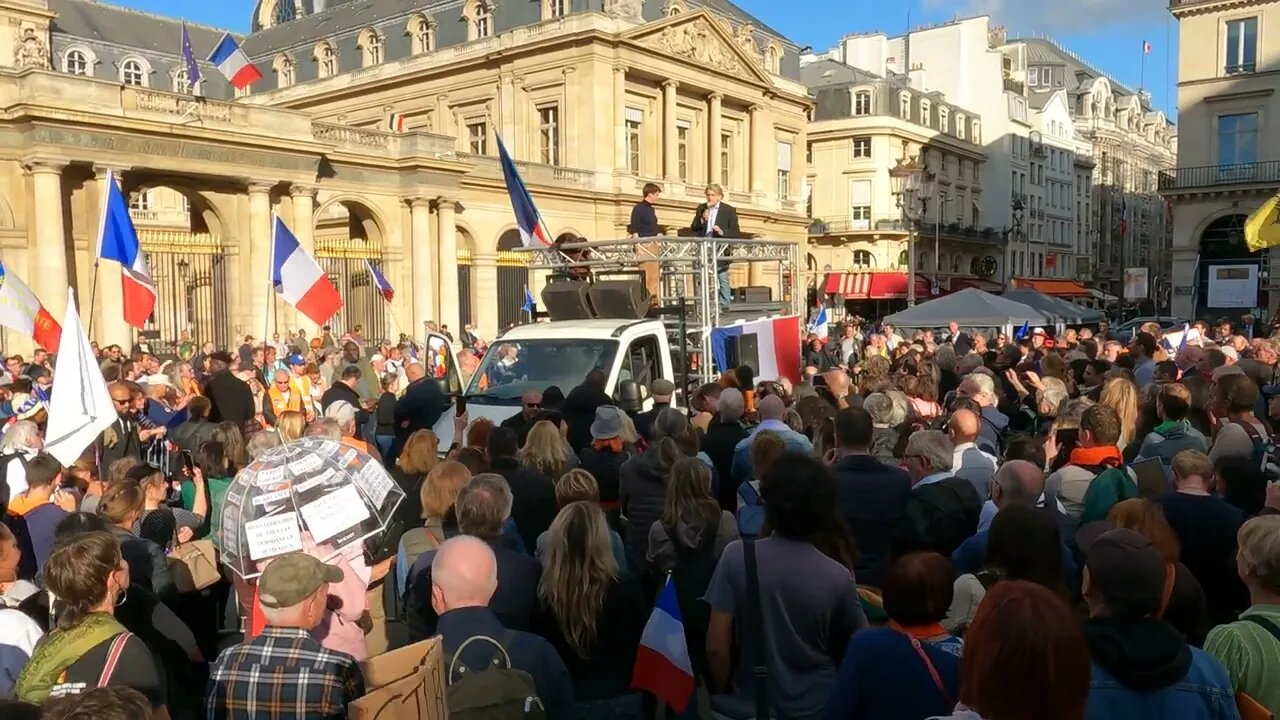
[[838, 226], [1014, 86], [1209, 176], [895, 224], [538, 173]]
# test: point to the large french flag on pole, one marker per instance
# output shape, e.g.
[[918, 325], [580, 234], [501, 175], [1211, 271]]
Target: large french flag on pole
[[777, 344], [21, 311], [662, 660], [233, 63], [299, 279], [532, 230], [118, 241]]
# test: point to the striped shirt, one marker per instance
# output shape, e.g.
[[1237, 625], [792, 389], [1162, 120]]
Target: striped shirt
[[282, 674], [1251, 655]]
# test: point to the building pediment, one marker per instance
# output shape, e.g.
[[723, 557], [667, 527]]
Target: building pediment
[[699, 38]]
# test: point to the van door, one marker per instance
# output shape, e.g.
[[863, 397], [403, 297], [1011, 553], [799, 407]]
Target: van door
[[642, 361], [441, 364]]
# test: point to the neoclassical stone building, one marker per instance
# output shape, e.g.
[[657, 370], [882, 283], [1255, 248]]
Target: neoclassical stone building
[[374, 135]]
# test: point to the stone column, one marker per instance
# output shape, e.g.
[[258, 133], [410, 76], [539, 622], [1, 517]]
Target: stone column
[[484, 276], [447, 307], [109, 325], [507, 114], [423, 264], [48, 252], [714, 124], [443, 125], [303, 225], [259, 261], [763, 164], [670, 162], [621, 162]]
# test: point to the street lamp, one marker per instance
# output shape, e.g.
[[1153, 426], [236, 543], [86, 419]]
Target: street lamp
[[908, 185], [1018, 209]]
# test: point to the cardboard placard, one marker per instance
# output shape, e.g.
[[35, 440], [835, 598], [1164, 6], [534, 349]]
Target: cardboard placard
[[404, 684]]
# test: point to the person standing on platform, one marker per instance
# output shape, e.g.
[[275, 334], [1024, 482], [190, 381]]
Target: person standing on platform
[[718, 219]]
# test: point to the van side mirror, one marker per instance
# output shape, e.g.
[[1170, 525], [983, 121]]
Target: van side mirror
[[627, 396]]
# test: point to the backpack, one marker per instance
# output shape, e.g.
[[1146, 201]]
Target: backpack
[[691, 576], [1263, 450], [495, 692], [750, 511], [414, 542]]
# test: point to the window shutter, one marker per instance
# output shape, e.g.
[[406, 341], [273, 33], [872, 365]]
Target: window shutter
[[860, 192], [784, 156], [635, 115]]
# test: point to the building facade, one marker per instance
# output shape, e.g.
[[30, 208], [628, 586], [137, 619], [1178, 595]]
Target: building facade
[[1128, 141], [1228, 154], [863, 126], [374, 135]]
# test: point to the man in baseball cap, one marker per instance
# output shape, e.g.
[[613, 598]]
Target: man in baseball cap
[[661, 391], [293, 593], [1142, 665]]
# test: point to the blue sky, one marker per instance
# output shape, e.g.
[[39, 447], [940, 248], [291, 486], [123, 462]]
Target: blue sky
[[1106, 33]]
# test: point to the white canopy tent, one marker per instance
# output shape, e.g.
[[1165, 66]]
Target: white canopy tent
[[1062, 310], [969, 308]]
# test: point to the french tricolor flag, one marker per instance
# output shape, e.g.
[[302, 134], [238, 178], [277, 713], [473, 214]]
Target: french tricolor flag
[[662, 660], [532, 230], [234, 64], [299, 279], [777, 345], [380, 282], [118, 241]]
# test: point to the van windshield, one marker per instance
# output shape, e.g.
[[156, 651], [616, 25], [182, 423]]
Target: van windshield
[[511, 368]]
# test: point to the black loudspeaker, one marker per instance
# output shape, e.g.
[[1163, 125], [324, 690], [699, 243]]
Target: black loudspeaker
[[620, 299], [745, 350], [753, 294], [567, 301]]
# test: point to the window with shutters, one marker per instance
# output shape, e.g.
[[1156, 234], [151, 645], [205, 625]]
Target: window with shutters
[[549, 134], [784, 171], [634, 118], [682, 149], [860, 205], [861, 148]]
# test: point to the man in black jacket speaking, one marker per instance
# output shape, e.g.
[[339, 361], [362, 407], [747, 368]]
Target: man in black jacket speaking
[[718, 219]]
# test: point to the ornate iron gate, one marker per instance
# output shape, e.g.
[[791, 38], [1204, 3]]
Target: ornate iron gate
[[513, 278], [344, 260], [190, 272]]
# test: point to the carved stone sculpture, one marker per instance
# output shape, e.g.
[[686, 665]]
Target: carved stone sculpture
[[625, 9], [745, 37], [697, 42], [31, 50]]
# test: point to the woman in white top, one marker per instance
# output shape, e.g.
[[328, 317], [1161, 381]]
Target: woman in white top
[[20, 443]]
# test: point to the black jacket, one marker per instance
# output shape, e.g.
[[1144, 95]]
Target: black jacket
[[939, 516], [341, 391], [419, 408], [718, 444], [193, 433], [726, 220], [606, 468], [579, 410], [644, 421], [606, 671], [230, 399], [386, 412], [126, 443], [644, 220], [515, 602], [873, 501], [643, 496], [533, 497]]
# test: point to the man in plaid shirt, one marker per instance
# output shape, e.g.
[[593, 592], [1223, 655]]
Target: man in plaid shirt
[[284, 672]]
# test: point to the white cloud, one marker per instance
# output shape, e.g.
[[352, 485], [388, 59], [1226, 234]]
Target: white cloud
[[1062, 17]]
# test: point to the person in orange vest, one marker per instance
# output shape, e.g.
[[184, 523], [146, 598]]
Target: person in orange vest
[[282, 395], [302, 381]]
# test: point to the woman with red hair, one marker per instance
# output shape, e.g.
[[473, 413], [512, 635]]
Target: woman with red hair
[[1024, 657]]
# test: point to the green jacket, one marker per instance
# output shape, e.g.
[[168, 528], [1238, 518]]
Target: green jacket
[[1110, 487]]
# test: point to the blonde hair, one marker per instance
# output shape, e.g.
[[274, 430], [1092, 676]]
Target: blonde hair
[[122, 502], [544, 450], [1259, 541], [290, 425], [577, 485], [689, 500], [439, 491], [579, 568], [629, 434], [420, 453], [1192, 463], [1121, 395]]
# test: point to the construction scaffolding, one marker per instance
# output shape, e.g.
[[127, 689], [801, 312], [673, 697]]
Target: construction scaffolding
[[686, 282]]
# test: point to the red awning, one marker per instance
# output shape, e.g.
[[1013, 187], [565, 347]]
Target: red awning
[[874, 285], [1061, 288]]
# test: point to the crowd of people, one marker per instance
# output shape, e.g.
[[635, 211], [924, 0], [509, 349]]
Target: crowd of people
[[933, 524]]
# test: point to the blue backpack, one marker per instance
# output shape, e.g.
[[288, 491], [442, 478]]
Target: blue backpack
[[750, 511]]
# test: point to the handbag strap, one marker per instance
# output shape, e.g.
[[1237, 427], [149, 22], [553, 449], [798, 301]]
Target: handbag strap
[[933, 671], [755, 616], [1265, 624], [113, 658]]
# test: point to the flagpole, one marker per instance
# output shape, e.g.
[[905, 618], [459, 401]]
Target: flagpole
[[271, 285], [1142, 73]]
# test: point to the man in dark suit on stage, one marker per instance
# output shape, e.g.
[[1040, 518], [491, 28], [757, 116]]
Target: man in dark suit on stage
[[716, 218]]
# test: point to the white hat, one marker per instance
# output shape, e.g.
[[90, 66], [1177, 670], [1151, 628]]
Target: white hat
[[157, 379], [1038, 331], [1231, 353], [377, 357]]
